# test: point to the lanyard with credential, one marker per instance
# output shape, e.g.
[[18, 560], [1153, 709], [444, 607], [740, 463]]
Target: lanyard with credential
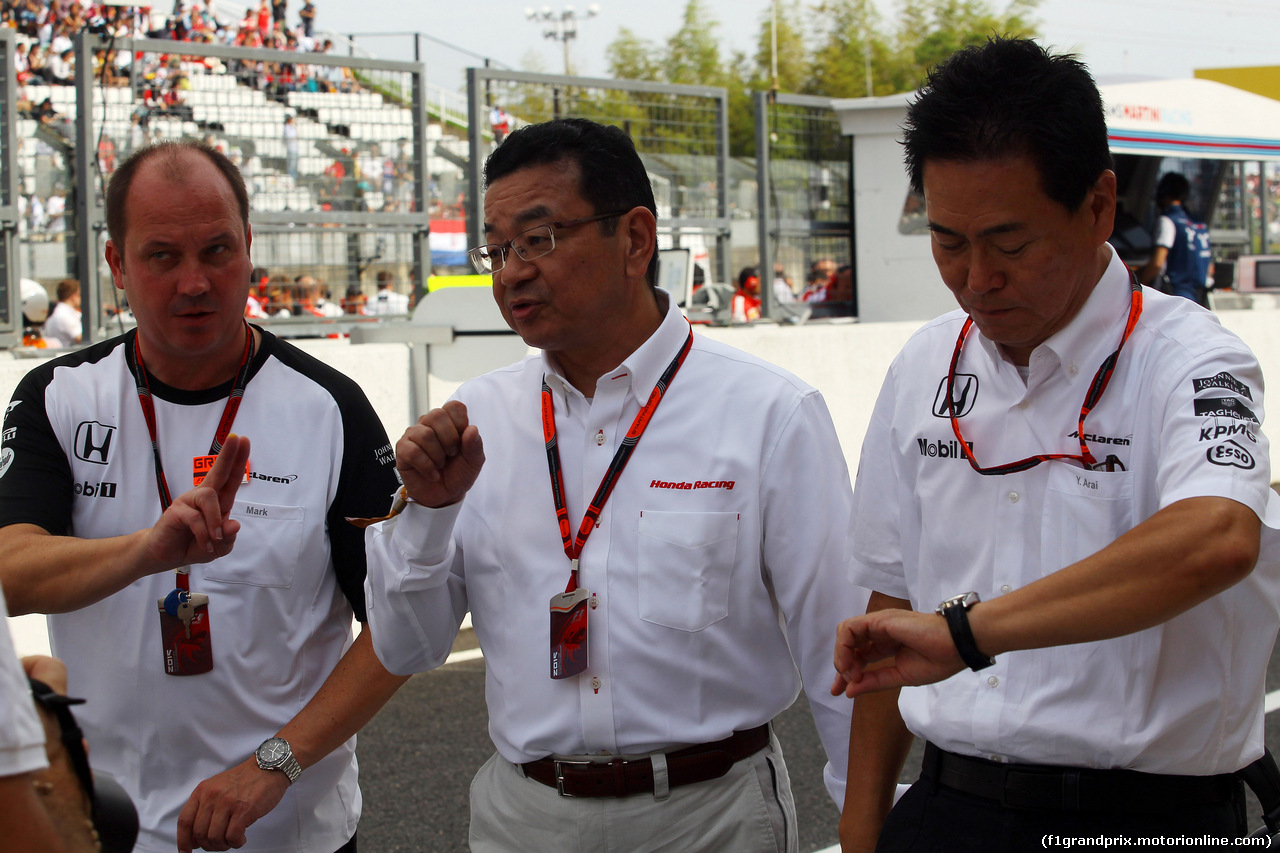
[[184, 616], [569, 609], [1091, 397]]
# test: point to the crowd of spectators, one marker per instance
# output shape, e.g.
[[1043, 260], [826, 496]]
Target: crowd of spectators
[[47, 27]]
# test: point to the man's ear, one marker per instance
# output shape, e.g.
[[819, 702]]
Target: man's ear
[[639, 227], [116, 261], [1102, 204]]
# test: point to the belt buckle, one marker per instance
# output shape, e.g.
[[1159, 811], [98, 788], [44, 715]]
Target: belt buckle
[[558, 764]]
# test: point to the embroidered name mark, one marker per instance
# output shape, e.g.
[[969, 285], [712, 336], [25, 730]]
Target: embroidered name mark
[[698, 484]]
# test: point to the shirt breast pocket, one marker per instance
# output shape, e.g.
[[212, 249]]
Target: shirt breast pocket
[[1084, 511], [267, 547], [685, 563]]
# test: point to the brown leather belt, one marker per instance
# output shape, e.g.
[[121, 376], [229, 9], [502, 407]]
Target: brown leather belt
[[622, 778]]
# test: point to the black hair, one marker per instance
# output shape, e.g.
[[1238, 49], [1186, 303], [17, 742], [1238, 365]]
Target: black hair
[[611, 175], [1173, 186], [1008, 98]]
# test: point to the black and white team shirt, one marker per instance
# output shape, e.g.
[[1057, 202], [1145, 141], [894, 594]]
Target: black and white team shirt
[[76, 459]]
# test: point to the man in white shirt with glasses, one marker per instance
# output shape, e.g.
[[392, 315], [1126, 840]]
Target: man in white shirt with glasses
[[646, 601]]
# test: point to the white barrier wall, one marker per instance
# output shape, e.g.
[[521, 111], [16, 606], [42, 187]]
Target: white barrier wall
[[847, 362]]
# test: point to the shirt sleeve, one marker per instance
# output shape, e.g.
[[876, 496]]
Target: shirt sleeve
[[1166, 233], [21, 732], [877, 521], [807, 505], [1211, 437], [367, 484], [35, 476], [416, 589]]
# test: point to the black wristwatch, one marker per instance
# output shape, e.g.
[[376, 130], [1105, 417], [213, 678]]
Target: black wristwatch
[[956, 612]]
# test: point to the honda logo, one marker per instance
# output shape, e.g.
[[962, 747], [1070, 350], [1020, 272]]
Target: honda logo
[[963, 392], [93, 442]]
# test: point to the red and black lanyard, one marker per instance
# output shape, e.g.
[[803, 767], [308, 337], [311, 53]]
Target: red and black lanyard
[[1091, 398], [573, 546], [224, 423]]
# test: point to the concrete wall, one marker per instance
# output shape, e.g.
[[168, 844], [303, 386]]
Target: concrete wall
[[847, 362]]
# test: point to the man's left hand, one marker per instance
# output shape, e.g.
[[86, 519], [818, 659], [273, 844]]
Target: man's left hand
[[222, 808], [913, 648]]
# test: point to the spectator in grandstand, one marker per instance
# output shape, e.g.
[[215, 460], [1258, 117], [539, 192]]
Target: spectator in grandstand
[[279, 10], [63, 325], [307, 18], [21, 67], [387, 300], [290, 146], [315, 297], [264, 18], [55, 209], [38, 64]]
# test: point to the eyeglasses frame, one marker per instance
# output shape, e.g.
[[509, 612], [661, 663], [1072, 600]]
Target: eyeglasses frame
[[509, 245]]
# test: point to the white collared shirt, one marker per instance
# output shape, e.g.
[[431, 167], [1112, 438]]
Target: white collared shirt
[[723, 549], [1179, 419]]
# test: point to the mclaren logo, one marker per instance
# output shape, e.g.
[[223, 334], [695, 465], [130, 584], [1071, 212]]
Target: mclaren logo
[[963, 392], [93, 442], [271, 478]]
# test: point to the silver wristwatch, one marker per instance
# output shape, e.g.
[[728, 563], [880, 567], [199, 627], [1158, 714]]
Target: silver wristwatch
[[275, 754]]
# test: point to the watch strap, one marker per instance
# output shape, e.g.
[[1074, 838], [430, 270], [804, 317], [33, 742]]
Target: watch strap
[[957, 616]]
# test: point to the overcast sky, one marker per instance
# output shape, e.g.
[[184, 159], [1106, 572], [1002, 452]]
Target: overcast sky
[[1161, 38]]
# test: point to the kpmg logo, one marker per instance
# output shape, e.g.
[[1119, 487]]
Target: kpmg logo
[[93, 442], [963, 392]]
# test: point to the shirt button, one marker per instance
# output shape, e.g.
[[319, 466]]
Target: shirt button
[[595, 682], [1013, 497], [993, 681], [600, 438], [1073, 370], [1006, 588], [595, 601]]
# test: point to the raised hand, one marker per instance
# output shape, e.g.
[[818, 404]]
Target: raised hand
[[440, 456]]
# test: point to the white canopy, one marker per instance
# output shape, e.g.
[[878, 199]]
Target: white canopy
[[1191, 118], [1163, 118]]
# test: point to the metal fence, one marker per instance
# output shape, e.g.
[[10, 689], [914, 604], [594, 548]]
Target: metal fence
[[804, 195], [333, 151], [10, 292], [680, 132]]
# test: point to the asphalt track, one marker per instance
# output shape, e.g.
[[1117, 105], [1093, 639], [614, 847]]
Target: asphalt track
[[418, 755]]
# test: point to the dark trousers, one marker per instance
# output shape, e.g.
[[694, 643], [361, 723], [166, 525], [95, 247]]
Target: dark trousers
[[349, 847], [931, 818]]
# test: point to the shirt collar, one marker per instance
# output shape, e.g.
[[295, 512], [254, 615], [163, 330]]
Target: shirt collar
[[1095, 331], [644, 366], [1091, 335]]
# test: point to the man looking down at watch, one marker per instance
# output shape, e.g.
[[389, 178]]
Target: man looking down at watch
[[108, 485], [1074, 466]]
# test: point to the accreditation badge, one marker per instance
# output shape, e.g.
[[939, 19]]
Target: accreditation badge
[[569, 633]]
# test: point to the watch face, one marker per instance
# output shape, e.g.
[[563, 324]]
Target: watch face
[[273, 751]]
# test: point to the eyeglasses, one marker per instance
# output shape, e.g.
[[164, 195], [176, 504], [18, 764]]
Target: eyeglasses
[[537, 242]]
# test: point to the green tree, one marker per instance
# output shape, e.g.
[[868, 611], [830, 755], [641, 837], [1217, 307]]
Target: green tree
[[852, 53], [633, 58], [693, 53]]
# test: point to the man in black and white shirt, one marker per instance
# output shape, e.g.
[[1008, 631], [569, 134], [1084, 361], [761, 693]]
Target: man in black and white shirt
[[264, 534]]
